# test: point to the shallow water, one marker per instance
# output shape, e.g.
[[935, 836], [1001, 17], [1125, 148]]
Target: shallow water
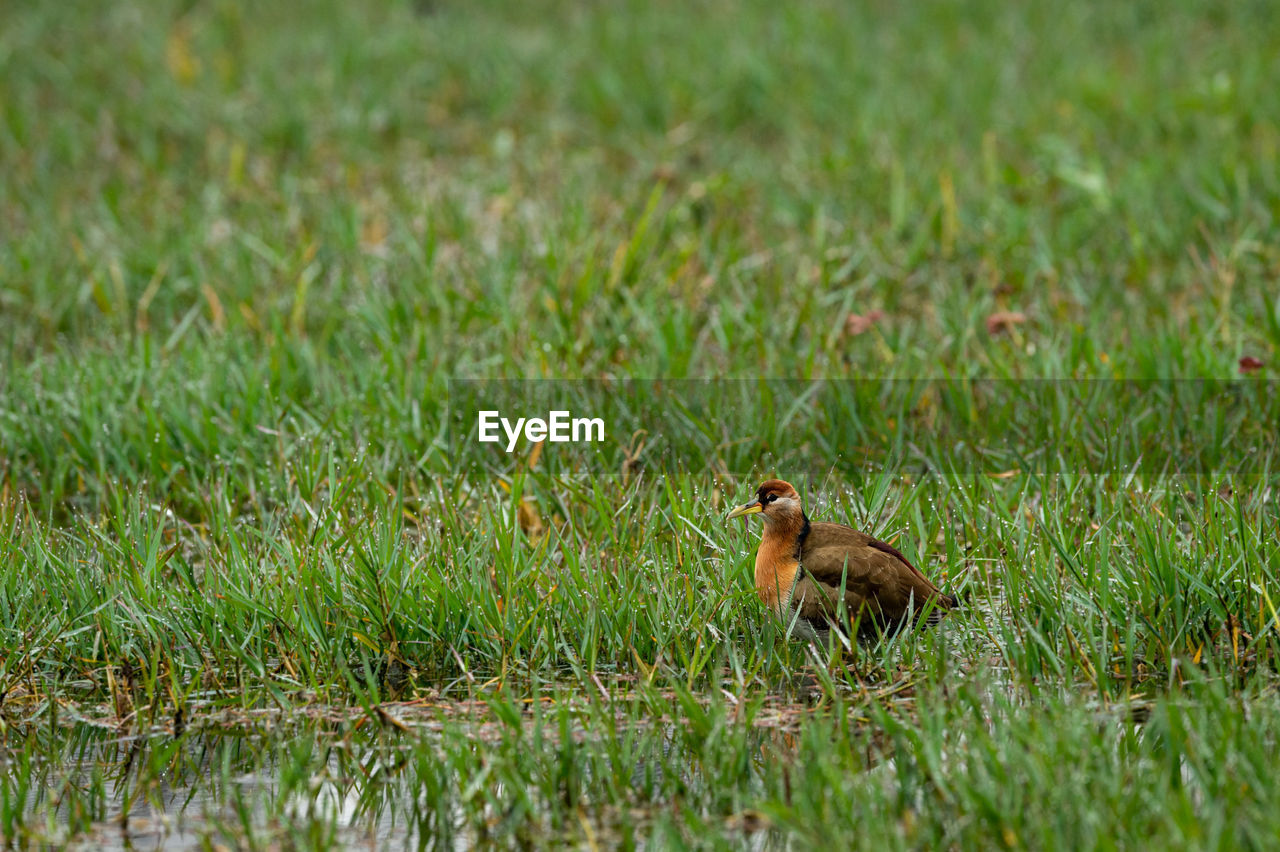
[[418, 772], [320, 776], [142, 792]]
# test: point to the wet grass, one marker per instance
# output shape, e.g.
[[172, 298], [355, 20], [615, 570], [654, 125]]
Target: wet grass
[[253, 591], [609, 766], [514, 686]]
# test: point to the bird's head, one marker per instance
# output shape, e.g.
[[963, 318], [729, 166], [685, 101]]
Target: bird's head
[[775, 500]]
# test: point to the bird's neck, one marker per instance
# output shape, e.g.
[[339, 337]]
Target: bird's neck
[[778, 560], [786, 530]]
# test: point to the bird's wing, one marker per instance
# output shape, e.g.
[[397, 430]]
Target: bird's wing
[[873, 572]]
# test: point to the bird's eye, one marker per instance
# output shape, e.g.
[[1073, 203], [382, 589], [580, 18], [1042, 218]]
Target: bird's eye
[[771, 498]]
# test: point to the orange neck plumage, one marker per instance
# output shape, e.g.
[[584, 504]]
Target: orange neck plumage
[[778, 562]]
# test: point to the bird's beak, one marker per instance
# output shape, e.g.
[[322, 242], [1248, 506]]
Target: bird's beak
[[745, 509]]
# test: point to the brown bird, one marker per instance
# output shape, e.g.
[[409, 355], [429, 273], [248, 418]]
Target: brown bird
[[804, 570]]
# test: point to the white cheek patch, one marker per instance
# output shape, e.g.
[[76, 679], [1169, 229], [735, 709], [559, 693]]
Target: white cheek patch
[[787, 503]]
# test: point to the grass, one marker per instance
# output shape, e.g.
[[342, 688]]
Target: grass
[[258, 588]]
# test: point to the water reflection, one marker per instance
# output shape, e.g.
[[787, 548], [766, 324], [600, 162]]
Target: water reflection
[[318, 783]]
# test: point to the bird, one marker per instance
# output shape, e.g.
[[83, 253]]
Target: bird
[[806, 569]]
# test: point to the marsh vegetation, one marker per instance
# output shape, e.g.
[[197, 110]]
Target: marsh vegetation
[[252, 593]]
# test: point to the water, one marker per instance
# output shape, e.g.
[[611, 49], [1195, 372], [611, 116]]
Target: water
[[407, 774], [97, 789]]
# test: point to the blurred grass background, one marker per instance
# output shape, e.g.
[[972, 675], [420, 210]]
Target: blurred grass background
[[577, 189], [216, 220], [243, 250]]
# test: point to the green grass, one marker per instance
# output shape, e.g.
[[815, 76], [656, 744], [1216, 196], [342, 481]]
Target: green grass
[[253, 577]]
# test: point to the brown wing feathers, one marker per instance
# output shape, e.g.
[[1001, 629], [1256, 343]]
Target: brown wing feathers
[[878, 581]]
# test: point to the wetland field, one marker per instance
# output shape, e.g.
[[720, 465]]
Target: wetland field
[[997, 283]]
